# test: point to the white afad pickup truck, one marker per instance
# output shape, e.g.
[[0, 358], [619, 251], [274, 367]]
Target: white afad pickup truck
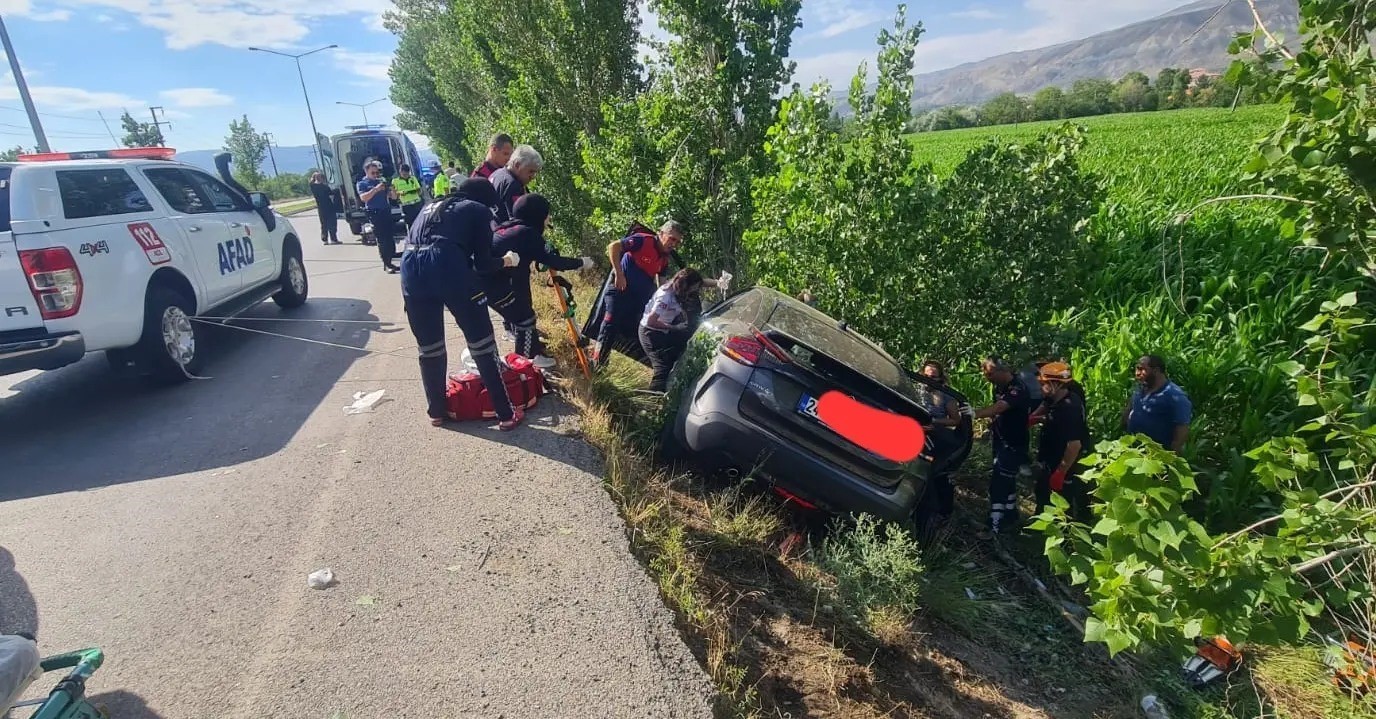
[[119, 250]]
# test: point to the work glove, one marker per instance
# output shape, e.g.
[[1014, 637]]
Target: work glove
[[968, 411], [724, 282], [589, 263], [1058, 480], [511, 259]]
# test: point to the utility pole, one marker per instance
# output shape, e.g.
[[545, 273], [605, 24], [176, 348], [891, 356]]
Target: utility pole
[[267, 137], [39, 138], [315, 134], [157, 125]]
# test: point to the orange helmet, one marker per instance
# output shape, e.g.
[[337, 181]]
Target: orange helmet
[[1054, 372]]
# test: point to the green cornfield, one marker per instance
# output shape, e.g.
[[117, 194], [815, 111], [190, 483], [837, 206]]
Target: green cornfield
[[1218, 293]]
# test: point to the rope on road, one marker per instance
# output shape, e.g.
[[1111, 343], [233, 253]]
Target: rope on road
[[364, 350], [220, 320]]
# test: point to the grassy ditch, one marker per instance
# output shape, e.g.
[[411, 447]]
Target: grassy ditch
[[794, 615]]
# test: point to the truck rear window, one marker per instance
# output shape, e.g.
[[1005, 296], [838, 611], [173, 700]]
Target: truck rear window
[[99, 193]]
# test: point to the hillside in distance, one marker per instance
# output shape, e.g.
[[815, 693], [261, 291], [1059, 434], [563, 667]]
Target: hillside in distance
[[1146, 46], [290, 159]]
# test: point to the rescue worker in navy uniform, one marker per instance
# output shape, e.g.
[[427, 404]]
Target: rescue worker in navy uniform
[[1009, 437], [1064, 440], [447, 253], [509, 288], [638, 261]]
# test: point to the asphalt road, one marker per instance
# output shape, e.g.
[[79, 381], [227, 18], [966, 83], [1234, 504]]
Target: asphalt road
[[481, 574]]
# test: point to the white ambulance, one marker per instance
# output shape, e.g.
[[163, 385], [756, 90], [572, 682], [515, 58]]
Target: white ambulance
[[118, 250]]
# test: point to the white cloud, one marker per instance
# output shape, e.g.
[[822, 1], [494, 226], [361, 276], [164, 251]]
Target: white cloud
[[371, 66], [195, 97], [836, 67], [838, 17], [51, 16], [71, 99], [374, 22], [976, 13], [233, 23]]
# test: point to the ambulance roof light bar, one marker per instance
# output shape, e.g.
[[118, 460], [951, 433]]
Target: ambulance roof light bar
[[123, 153]]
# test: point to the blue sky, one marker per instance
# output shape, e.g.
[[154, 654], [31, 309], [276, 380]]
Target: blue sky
[[82, 57]]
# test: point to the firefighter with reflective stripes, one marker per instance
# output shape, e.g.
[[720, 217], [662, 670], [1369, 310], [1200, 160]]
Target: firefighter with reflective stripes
[[638, 261], [1009, 437], [447, 252]]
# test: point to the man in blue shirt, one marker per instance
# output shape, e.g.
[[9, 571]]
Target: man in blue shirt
[[1158, 407], [376, 194]]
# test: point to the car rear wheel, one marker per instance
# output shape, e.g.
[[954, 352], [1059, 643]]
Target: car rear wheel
[[169, 350], [295, 286]]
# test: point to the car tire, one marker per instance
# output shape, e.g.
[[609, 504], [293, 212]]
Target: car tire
[[169, 351], [295, 284]]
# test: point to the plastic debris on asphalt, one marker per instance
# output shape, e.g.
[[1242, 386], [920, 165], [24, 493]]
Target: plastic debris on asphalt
[[1153, 709], [366, 401], [321, 579]]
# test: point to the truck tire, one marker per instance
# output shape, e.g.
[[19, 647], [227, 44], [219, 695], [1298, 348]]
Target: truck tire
[[295, 285], [170, 349]]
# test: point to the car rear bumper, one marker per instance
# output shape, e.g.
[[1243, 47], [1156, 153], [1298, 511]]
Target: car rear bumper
[[716, 433], [25, 351]]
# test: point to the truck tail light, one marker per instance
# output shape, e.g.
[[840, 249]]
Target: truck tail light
[[54, 280]]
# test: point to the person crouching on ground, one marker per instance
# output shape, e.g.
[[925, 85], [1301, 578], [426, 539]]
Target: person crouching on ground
[[407, 187], [664, 328], [509, 291], [447, 252]]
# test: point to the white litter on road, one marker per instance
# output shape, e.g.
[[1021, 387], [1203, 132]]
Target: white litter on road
[[366, 401], [321, 579]]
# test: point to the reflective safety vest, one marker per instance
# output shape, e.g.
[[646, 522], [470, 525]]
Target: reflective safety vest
[[408, 189], [649, 257], [441, 185]]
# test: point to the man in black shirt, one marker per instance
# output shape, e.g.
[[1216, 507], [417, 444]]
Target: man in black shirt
[[1009, 436], [1064, 439]]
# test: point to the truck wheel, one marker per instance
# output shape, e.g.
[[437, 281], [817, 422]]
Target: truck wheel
[[293, 279], [169, 350]]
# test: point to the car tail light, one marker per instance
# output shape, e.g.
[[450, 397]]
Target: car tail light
[[746, 350], [749, 350], [54, 280], [790, 497]]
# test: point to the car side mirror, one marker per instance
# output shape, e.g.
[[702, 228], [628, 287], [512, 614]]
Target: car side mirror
[[260, 200]]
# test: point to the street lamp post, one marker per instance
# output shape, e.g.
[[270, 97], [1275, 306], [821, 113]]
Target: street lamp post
[[315, 134], [362, 106]]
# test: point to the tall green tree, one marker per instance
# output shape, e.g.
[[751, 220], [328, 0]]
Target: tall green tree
[[1172, 88], [539, 70], [1134, 93], [247, 148], [13, 153], [689, 146], [1090, 97], [140, 134], [1049, 104], [1005, 109]]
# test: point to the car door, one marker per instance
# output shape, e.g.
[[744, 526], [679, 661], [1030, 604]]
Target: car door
[[207, 233], [253, 254]]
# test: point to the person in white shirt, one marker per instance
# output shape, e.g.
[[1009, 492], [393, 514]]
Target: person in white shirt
[[664, 328]]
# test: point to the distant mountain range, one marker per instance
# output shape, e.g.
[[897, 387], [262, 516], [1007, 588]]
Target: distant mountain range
[[290, 159], [1179, 38]]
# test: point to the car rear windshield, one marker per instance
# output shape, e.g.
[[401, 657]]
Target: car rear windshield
[[5, 171], [822, 334]]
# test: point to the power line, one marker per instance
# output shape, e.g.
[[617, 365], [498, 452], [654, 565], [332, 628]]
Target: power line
[[51, 114]]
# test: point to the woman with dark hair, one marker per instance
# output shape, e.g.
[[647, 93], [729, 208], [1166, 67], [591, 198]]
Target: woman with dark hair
[[509, 289], [324, 207], [664, 328]]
